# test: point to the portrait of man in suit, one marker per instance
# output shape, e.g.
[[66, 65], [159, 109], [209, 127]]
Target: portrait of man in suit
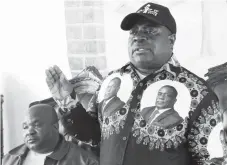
[[163, 113], [111, 102]]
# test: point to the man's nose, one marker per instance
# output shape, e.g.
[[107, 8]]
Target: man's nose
[[139, 37], [31, 130], [161, 96]]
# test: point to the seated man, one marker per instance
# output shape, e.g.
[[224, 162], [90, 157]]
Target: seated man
[[85, 138], [43, 144]]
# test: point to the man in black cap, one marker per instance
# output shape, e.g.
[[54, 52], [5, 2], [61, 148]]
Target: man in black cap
[[126, 137]]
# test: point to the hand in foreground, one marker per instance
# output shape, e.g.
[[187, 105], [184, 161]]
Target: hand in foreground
[[59, 86], [217, 161], [217, 80]]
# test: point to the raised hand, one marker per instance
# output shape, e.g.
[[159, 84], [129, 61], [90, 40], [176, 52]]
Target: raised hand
[[59, 86]]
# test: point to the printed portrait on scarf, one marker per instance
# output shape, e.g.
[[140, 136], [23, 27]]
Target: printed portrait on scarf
[[165, 103]]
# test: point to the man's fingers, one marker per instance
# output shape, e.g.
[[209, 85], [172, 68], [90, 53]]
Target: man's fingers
[[218, 75], [57, 70], [215, 80], [49, 83], [49, 76], [54, 74], [63, 79]]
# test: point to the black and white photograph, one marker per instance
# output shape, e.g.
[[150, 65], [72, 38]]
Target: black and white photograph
[[166, 107], [113, 82]]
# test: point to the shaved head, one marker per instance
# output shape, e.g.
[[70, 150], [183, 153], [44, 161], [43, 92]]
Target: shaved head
[[46, 113], [40, 128]]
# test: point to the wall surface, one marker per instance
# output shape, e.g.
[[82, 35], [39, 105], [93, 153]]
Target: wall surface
[[33, 38]]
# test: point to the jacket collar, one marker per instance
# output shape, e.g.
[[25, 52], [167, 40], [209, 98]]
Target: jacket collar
[[60, 151], [171, 62], [21, 150], [165, 114]]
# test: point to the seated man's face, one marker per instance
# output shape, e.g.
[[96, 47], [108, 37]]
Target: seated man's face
[[165, 98], [37, 130], [112, 89]]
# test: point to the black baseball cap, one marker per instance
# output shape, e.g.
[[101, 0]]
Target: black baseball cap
[[155, 13]]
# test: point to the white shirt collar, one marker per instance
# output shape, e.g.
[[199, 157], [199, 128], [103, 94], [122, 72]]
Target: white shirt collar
[[162, 110]]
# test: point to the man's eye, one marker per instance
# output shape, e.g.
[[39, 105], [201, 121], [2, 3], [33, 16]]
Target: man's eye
[[37, 125], [152, 31], [132, 32], [25, 126], [148, 31]]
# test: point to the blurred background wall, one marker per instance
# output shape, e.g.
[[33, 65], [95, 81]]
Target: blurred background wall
[[73, 34]]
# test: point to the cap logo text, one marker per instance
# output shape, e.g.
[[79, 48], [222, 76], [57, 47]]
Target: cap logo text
[[148, 10]]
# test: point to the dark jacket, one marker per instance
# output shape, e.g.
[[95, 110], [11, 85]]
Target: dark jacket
[[167, 119], [111, 107], [66, 153]]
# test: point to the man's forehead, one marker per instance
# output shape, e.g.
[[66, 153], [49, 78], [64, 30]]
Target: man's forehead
[[31, 113], [114, 81], [166, 90], [146, 23], [32, 119], [37, 113]]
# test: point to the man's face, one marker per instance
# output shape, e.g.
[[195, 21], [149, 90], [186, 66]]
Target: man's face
[[165, 98], [112, 89], [149, 45], [38, 130]]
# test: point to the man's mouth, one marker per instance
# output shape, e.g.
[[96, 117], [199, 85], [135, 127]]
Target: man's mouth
[[141, 50], [160, 102], [31, 140]]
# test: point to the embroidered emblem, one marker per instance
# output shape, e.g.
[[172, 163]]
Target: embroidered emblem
[[148, 10]]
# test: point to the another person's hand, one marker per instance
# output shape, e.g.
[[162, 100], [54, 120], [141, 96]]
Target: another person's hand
[[59, 86], [224, 145], [217, 161], [223, 135], [217, 80]]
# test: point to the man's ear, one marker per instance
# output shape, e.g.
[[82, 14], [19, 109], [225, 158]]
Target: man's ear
[[172, 39], [175, 101]]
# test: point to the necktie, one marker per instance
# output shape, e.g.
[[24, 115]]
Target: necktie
[[153, 115], [104, 105]]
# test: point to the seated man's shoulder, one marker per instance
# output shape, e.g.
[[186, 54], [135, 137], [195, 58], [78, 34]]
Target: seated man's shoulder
[[86, 156], [14, 153]]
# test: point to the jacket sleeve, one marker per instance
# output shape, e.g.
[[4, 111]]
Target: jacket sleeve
[[81, 123], [92, 162]]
